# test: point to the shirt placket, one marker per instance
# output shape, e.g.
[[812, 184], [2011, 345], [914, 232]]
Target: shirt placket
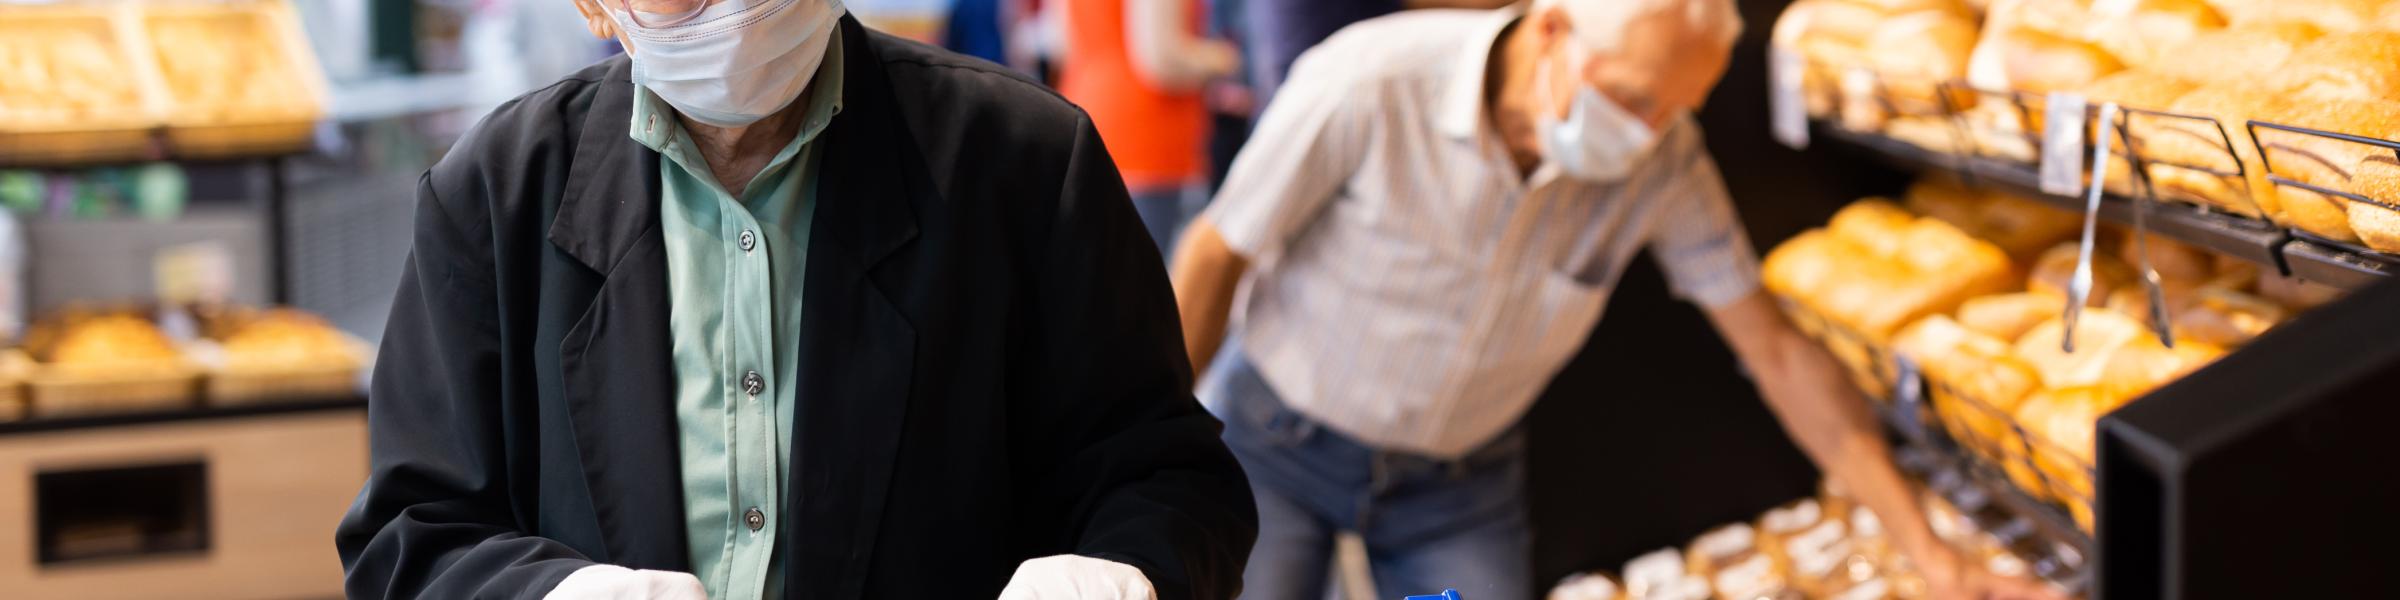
[[750, 425]]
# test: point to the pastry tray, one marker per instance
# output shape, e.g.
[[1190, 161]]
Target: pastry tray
[[57, 393], [275, 32], [113, 133]]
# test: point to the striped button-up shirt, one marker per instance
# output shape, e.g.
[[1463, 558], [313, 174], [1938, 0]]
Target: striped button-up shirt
[[1410, 288]]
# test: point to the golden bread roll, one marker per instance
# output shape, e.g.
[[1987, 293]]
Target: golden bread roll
[[2139, 89], [2136, 370], [114, 343], [2389, 20], [2179, 149], [1902, 7], [2021, 227], [2329, 15], [2174, 260], [1937, 134], [2056, 268], [2226, 318], [1827, 34], [1939, 196], [1872, 223], [2040, 62], [1977, 381], [1914, 54], [284, 339], [2140, 31], [2243, 54], [2347, 65], [2323, 161], [1801, 267], [2377, 178], [2133, 300], [2234, 273], [2063, 422], [1654, 571], [2007, 317], [2295, 294], [2099, 333]]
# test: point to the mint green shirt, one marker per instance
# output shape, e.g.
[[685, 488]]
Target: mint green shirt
[[735, 267]]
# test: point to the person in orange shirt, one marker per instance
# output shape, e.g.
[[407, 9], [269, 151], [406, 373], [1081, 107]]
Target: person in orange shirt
[[1138, 68]]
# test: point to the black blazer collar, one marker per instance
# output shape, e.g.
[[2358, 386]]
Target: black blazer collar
[[856, 352]]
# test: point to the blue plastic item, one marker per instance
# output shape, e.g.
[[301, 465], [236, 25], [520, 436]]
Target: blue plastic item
[[1445, 595]]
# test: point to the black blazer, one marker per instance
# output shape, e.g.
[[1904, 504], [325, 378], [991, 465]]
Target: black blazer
[[991, 368]]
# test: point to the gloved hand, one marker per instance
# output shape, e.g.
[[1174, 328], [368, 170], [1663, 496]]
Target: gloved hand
[[1071, 577], [611, 582]]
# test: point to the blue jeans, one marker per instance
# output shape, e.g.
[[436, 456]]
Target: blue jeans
[[1428, 524], [1165, 210]]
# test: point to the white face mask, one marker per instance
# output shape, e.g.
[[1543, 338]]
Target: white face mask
[[737, 61], [1598, 141]]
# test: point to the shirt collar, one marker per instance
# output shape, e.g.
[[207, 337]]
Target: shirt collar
[[654, 123], [1461, 112]]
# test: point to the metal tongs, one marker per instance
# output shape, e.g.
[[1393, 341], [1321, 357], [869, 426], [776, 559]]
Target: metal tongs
[[2079, 289]]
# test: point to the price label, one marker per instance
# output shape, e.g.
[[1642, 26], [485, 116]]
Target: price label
[[2062, 144], [1787, 104]]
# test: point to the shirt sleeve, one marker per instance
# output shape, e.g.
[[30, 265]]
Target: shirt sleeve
[[1696, 237], [1303, 151]]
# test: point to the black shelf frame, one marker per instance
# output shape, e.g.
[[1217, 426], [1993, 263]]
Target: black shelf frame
[[33, 425]]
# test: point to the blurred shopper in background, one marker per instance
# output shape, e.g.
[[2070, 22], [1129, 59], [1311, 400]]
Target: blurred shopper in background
[[1138, 67], [714, 322], [1429, 219]]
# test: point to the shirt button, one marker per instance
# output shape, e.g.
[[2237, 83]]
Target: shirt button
[[752, 383], [755, 518], [749, 240]]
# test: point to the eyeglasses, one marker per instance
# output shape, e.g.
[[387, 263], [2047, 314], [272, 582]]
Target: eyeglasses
[[661, 13]]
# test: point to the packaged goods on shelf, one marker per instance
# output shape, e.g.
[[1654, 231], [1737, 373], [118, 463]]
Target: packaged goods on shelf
[[1840, 553]]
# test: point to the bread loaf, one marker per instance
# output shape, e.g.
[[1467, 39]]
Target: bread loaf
[[2041, 62], [2139, 89], [2377, 178], [2188, 156], [2295, 294], [1916, 53], [2174, 260], [2062, 423], [2243, 54], [2137, 369], [2323, 161], [2007, 317], [2139, 32], [2329, 15], [1977, 381], [2226, 318], [2345, 66], [2099, 333], [2056, 268]]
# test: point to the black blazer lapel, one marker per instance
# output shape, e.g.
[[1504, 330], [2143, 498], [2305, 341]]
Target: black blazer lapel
[[857, 347], [619, 379]]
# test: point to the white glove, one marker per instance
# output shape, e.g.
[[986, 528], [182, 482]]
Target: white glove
[[611, 582], [1071, 577]]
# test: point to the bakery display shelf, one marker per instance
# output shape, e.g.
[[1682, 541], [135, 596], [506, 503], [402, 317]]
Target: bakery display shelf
[[2347, 264], [2314, 259], [2043, 530], [2227, 234], [197, 413]]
